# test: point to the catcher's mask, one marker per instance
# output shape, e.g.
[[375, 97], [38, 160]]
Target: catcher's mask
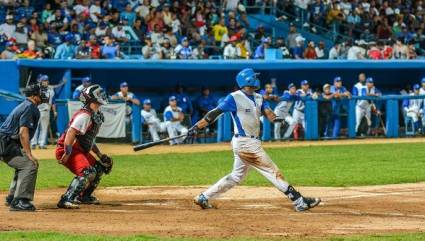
[[93, 94]]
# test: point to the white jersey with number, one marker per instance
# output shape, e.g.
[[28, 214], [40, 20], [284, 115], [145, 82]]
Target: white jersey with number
[[246, 119]]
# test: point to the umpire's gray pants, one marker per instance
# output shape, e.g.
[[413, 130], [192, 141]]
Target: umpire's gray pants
[[23, 183]]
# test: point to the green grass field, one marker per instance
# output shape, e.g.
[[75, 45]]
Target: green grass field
[[350, 165], [336, 166]]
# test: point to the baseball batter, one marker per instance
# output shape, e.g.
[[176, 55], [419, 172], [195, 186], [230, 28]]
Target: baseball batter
[[246, 107], [74, 147], [282, 110]]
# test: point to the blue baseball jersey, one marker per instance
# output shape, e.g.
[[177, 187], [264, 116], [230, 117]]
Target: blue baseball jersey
[[336, 104], [246, 112]]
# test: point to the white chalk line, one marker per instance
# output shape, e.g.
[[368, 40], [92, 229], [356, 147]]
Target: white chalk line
[[373, 195]]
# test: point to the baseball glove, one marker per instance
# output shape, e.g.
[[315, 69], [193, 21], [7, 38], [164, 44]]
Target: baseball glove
[[107, 163]]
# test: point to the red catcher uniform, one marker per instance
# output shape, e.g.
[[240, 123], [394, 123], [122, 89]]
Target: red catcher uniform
[[87, 128]]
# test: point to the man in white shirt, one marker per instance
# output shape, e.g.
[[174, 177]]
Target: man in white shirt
[[95, 11], [230, 51], [143, 10], [8, 28], [151, 120], [357, 52]]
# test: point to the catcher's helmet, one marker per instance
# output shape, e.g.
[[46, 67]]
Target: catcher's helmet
[[93, 93], [247, 77]]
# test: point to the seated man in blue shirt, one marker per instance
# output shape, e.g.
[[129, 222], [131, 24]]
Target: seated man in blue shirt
[[85, 82]]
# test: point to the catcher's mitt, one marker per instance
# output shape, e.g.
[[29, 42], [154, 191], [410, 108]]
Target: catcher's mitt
[[107, 163]]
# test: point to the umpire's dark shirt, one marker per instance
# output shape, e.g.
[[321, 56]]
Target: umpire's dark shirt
[[25, 114]]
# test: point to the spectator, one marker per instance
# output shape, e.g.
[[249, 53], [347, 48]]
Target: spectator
[[183, 100], [167, 15], [129, 14], [95, 11], [143, 10], [199, 52], [183, 50], [310, 51], [9, 52], [400, 50], [151, 119], [94, 47], [173, 117], [54, 38], [357, 51], [387, 52], [230, 51], [260, 50], [230, 5], [243, 48], [40, 37], [317, 13], [334, 52], [298, 51], [150, 51], [83, 51], [118, 33], [20, 34], [8, 28], [156, 35], [166, 51], [140, 29], [110, 50], [374, 52], [411, 51], [67, 49], [31, 52], [58, 21], [46, 13], [301, 11], [102, 29], [219, 31], [320, 50], [280, 44], [260, 33], [176, 24], [170, 36]]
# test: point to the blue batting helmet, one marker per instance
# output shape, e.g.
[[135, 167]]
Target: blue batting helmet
[[42, 77], [247, 77]]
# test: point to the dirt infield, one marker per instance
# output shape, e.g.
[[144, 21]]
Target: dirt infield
[[126, 149], [244, 211]]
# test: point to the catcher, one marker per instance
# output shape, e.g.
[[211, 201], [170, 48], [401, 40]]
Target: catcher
[[74, 146]]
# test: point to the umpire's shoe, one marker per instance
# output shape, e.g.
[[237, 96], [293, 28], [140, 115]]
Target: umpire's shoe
[[23, 205], [202, 201], [8, 201], [66, 204], [305, 203]]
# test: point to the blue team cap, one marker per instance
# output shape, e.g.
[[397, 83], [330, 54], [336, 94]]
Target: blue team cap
[[172, 98], [369, 80], [69, 37], [9, 43], [291, 85], [123, 84], [183, 39], [42, 77], [337, 79], [304, 82], [416, 87], [86, 79], [147, 102], [423, 80]]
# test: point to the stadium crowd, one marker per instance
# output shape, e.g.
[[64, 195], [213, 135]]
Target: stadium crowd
[[201, 29]]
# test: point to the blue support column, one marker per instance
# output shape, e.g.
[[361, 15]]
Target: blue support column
[[135, 124], [351, 118], [392, 118], [266, 130], [62, 106], [311, 120], [220, 128]]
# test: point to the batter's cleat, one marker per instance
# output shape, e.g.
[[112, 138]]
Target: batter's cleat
[[8, 200], [305, 203], [66, 204], [22, 205], [90, 200], [202, 201]]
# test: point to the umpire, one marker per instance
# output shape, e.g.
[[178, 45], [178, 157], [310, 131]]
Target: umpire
[[15, 135]]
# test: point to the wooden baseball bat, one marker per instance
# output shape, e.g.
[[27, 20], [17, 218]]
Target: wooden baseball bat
[[155, 143]]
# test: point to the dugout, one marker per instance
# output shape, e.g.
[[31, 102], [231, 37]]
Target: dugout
[[155, 79]]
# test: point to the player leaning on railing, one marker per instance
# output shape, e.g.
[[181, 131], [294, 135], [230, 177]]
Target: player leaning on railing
[[74, 147], [246, 107]]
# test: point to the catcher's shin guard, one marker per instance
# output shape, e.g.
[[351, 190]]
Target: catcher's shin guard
[[77, 186], [86, 195]]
